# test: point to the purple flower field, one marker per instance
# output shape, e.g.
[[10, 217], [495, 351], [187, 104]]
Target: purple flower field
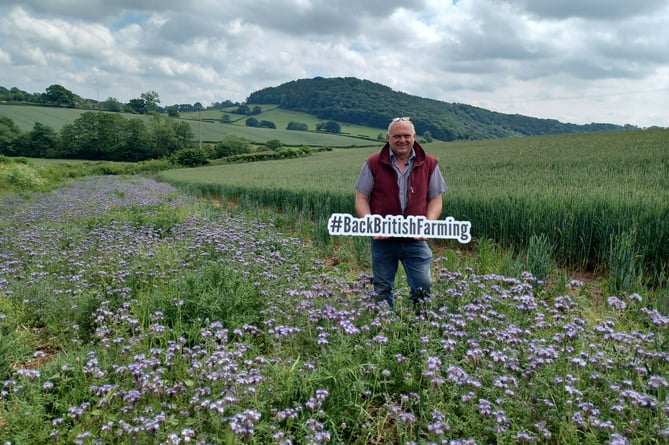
[[132, 313]]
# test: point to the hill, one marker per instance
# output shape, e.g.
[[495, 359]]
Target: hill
[[365, 103]]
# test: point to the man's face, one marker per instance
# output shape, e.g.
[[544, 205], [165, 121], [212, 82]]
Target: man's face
[[401, 137]]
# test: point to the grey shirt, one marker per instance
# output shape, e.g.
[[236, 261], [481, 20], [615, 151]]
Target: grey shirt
[[365, 182]]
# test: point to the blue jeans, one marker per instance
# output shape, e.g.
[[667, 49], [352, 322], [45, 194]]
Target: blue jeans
[[416, 257]]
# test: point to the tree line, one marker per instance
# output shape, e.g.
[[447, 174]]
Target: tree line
[[147, 103], [98, 136], [103, 136]]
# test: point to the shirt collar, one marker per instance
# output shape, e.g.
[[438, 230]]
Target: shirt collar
[[412, 155]]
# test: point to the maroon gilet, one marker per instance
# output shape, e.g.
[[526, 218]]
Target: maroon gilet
[[385, 199]]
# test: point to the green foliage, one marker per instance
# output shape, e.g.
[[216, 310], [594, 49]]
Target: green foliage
[[625, 262], [539, 256], [273, 144], [282, 153], [233, 145], [109, 136], [243, 109], [169, 136], [41, 142], [14, 342], [61, 96], [9, 132], [20, 177], [172, 111], [112, 104], [24, 175], [297, 126], [190, 157], [367, 103], [16, 95], [329, 126], [151, 100]]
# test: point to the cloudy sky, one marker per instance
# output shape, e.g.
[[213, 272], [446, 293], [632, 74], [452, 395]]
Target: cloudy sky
[[578, 61]]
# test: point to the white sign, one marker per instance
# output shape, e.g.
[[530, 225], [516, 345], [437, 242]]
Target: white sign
[[399, 226]]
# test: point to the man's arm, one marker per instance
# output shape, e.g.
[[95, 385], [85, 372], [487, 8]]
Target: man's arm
[[362, 208], [434, 207], [362, 204]]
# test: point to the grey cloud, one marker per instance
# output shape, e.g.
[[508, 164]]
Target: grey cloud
[[184, 28], [94, 10], [319, 17], [590, 9]]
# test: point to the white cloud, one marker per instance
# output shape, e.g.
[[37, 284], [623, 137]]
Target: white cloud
[[601, 60], [5, 59]]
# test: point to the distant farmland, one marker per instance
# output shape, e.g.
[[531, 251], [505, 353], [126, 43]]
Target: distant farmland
[[26, 116]]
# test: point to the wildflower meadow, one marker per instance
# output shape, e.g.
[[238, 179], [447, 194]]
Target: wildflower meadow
[[131, 312]]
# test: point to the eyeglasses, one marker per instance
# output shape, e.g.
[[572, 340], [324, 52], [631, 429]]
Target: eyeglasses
[[405, 118]]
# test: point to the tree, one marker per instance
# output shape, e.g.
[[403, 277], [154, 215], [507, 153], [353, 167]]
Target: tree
[[59, 95], [252, 122], [9, 131], [233, 145], [138, 141], [297, 126], [42, 142], [137, 106], [112, 104], [273, 144], [94, 136], [329, 126], [170, 136], [184, 134], [190, 157], [151, 100], [242, 109], [266, 124], [172, 111]]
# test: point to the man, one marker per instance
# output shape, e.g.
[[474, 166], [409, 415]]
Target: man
[[401, 179]]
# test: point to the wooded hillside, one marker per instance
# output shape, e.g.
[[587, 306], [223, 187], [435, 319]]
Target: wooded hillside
[[362, 102]]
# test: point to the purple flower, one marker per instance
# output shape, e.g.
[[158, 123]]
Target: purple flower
[[616, 303], [243, 423]]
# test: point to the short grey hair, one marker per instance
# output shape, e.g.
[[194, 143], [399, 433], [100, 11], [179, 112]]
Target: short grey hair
[[403, 119]]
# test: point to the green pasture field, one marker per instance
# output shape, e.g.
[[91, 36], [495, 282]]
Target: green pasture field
[[282, 118], [601, 199], [26, 116]]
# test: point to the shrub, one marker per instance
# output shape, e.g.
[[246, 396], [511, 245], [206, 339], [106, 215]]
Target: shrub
[[21, 177], [190, 157], [233, 145], [273, 144]]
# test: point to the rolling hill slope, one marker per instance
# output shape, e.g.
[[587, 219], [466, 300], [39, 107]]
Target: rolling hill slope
[[25, 117], [366, 103]]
